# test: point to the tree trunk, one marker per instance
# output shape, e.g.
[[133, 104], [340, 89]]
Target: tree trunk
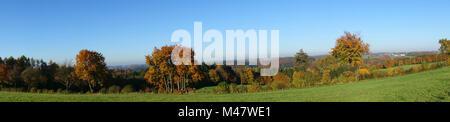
[[90, 87]]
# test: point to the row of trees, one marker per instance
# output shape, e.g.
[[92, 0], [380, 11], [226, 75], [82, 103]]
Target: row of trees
[[90, 74], [387, 62], [28, 72]]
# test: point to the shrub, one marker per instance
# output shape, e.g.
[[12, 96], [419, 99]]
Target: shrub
[[298, 79], [242, 88], [447, 62], [396, 71], [191, 90], [114, 89], [436, 65], [222, 88], [326, 78], [346, 77], [311, 77], [60, 91], [16, 89], [341, 79], [282, 78], [33, 90], [298, 76], [162, 91], [298, 83], [254, 88], [44, 91], [425, 66], [416, 68], [150, 90], [349, 76], [363, 74], [47, 91], [175, 91], [277, 85], [127, 89], [234, 88], [39, 91], [265, 80], [103, 90]]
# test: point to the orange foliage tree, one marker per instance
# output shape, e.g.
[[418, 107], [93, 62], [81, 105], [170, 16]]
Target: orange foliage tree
[[163, 74], [91, 67]]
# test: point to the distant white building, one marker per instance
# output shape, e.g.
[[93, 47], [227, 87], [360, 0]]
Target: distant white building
[[399, 55]]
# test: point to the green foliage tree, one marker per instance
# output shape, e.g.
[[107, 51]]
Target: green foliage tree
[[327, 62], [66, 76], [32, 77], [302, 60]]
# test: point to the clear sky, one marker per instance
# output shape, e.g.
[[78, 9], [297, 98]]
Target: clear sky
[[126, 30]]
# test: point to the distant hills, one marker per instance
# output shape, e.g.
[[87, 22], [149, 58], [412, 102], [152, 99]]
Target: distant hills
[[133, 67], [289, 61]]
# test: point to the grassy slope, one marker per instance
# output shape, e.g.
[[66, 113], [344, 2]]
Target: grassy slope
[[425, 86]]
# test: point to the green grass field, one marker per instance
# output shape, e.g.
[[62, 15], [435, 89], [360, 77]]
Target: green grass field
[[429, 86]]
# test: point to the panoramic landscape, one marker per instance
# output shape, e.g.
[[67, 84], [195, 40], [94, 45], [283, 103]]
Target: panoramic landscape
[[411, 77], [145, 51]]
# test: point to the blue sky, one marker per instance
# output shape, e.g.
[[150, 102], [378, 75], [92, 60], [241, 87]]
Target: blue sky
[[126, 30]]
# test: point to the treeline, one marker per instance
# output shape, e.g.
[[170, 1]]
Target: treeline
[[345, 64], [387, 62], [25, 74], [89, 74]]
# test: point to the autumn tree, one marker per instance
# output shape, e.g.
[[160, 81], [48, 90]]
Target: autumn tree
[[32, 77], [250, 75], [298, 79], [246, 75], [226, 73], [263, 80], [15, 68], [282, 78], [327, 63], [445, 46], [66, 76], [90, 67], [349, 49], [2, 71], [161, 70], [302, 60], [280, 81], [326, 78], [187, 73], [214, 76], [3, 74]]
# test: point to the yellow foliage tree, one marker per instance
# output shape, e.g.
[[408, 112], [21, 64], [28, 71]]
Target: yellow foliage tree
[[349, 49], [445, 46]]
